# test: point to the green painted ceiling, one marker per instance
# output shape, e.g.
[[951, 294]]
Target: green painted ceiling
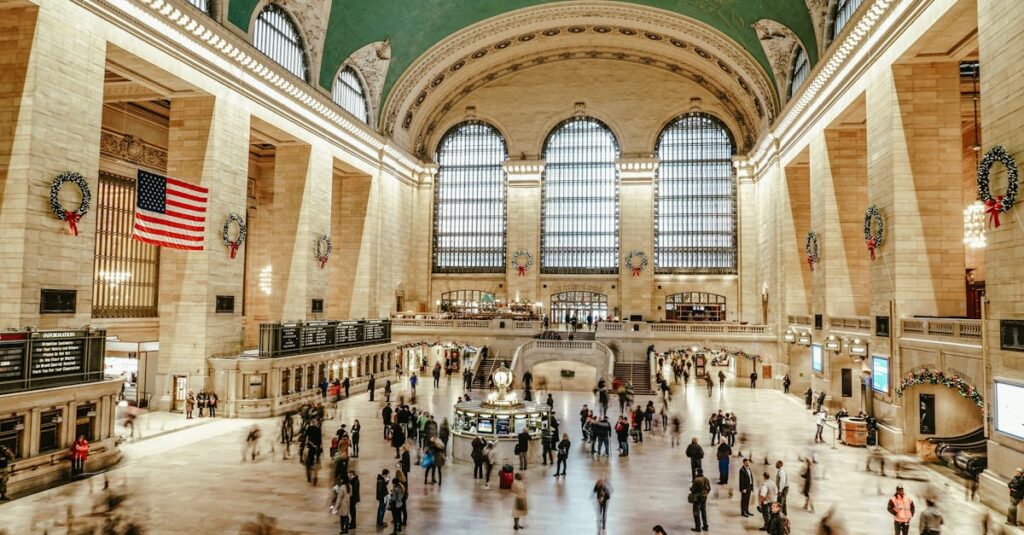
[[416, 25]]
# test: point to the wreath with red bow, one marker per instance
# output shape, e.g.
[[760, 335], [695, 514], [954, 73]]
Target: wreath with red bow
[[811, 248], [521, 260], [873, 238], [1000, 203], [71, 216], [323, 249]]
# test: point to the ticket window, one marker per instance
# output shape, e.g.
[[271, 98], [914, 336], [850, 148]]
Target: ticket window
[[49, 430], [12, 431], [310, 383], [85, 421], [255, 387], [298, 381], [286, 382]]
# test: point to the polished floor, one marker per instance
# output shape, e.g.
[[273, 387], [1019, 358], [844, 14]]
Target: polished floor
[[191, 480]]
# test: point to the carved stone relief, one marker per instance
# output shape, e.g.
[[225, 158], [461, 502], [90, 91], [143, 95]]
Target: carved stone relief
[[371, 61], [312, 17], [819, 13], [132, 149], [778, 43]]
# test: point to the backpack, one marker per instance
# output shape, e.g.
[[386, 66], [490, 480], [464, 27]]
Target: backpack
[[785, 525]]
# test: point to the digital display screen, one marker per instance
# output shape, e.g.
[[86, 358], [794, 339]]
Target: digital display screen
[[817, 358], [485, 426], [880, 374], [504, 426], [1009, 416]]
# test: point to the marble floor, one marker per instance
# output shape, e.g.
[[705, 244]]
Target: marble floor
[[192, 480]]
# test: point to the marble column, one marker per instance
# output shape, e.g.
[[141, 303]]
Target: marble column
[[636, 233], [524, 194]]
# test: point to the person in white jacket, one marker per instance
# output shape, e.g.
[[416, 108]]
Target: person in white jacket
[[822, 418]]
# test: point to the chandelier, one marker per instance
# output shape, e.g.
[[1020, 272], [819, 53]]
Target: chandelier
[[974, 225]]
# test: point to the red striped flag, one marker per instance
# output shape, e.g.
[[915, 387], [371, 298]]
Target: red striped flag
[[169, 212]]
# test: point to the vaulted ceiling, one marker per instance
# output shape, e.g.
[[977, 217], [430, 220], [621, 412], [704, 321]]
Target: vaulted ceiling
[[414, 26]]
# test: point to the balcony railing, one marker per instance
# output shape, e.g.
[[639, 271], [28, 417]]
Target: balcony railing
[[860, 323], [801, 319], [968, 331]]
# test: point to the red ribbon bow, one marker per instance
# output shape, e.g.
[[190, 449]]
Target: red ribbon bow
[[993, 207], [810, 262], [234, 249], [871, 247], [636, 271], [323, 261], [73, 219], [522, 270]]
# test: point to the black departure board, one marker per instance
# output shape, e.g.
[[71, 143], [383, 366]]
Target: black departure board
[[12, 360], [277, 339], [40, 359], [289, 337], [317, 334], [57, 356]]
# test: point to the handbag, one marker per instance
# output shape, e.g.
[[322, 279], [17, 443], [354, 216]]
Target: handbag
[[689, 498], [428, 461]]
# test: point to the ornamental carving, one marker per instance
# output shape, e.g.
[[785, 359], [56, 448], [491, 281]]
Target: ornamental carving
[[312, 17], [818, 9], [371, 61], [132, 149], [466, 47], [779, 43]]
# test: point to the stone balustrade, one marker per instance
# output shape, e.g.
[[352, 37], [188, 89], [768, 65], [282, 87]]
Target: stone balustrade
[[964, 330]]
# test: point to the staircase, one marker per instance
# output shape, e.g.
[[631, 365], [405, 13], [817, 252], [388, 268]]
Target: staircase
[[484, 372], [638, 373]]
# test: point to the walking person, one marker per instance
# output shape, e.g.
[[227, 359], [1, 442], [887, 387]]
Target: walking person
[[808, 476], [1016, 486], [721, 378], [563, 454], [382, 497], [520, 508], [746, 488], [602, 493], [901, 507], [490, 459], [699, 490], [753, 379], [385, 418], [346, 384], [387, 391], [341, 504], [931, 519], [724, 453]]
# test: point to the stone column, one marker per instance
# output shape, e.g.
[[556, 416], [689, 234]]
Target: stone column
[[636, 233], [793, 229], [524, 193], [51, 101], [748, 290], [204, 149], [418, 290], [1001, 46]]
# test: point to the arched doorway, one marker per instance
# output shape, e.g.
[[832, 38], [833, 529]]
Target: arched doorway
[[695, 306], [579, 305]]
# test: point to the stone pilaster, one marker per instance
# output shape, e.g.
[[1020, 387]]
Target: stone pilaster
[[204, 149], [636, 233], [51, 101], [748, 290], [524, 193]]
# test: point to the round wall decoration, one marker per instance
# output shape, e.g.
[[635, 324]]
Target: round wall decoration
[[234, 244], [1000, 203], [323, 249], [72, 217], [811, 248], [521, 260], [873, 238], [636, 261]]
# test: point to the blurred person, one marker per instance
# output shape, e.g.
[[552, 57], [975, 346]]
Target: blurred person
[[371, 386], [6, 466], [658, 530], [79, 454], [1016, 486], [723, 454], [603, 494], [252, 440], [782, 483], [190, 403], [490, 459], [353, 485], [520, 508], [341, 504], [808, 476], [778, 524], [931, 519]]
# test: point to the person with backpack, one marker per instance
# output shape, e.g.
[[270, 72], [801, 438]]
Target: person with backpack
[[699, 490], [778, 524]]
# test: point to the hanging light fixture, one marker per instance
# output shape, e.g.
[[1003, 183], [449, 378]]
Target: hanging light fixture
[[974, 214]]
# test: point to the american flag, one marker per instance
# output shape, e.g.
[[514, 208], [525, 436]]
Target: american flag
[[169, 212]]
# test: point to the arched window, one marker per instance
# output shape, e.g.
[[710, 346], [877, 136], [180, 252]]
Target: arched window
[[579, 305], [470, 200], [801, 68], [580, 199], [348, 93], [276, 35], [204, 5], [844, 11], [695, 197]]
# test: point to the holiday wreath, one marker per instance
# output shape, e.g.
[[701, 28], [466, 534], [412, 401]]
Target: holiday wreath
[[873, 239], [521, 260], [72, 217], [811, 248], [234, 244], [1000, 203], [323, 249], [633, 265]]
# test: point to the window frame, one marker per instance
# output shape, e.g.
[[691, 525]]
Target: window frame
[[208, 3], [299, 42], [359, 91], [500, 252], [841, 8], [800, 70], [546, 196], [659, 186]]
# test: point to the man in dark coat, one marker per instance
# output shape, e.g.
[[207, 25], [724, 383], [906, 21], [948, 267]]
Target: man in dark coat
[[371, 385], [746, 487], [382, 494], [696, 455]]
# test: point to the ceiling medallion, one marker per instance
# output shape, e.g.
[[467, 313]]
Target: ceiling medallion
[[652, 36], [677, 43], [551, 32]]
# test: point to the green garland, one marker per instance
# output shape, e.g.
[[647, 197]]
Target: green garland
[[932, 377]]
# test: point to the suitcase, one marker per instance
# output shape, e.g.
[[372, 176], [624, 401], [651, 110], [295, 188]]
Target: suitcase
[[505, 479]]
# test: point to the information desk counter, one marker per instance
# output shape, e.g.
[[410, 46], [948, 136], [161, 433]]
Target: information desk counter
[[854, 431], [500, 425]]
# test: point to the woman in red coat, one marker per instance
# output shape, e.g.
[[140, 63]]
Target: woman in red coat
[[79, 452]]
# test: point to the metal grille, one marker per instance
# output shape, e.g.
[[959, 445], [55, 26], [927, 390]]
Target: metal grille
[[125, 271], [348, 93], [580, 199], [844, 12], [470, 201], [277, 36], [568, 305], [801, 68], [695, 197], [201, 4]]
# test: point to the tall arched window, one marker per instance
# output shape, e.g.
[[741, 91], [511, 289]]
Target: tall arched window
[[469, 200], [580, 199], [801, 68], [276, 35], [348, 93], [695, 197], [844, 11]]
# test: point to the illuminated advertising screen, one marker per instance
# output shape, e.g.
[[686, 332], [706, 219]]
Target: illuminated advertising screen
[[880, 374], [817, 358], [1009, 416]]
